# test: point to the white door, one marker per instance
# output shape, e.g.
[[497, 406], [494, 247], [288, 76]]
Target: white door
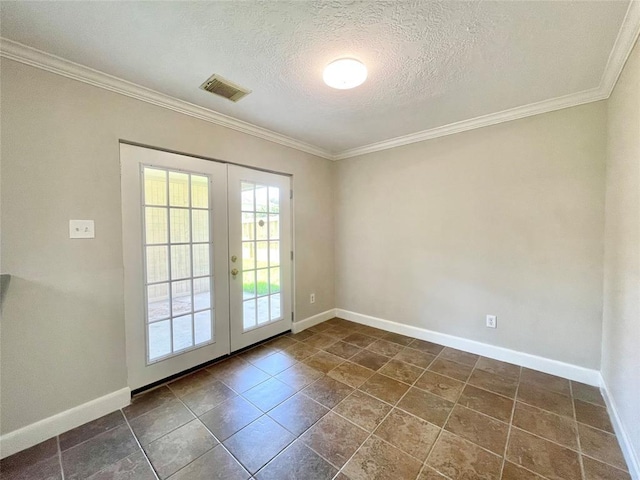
[[175, 240], [260, 255], [207, 260]]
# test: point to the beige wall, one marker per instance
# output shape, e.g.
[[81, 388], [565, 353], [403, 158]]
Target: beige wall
[[621, 325], [504, 220], [62, 329]]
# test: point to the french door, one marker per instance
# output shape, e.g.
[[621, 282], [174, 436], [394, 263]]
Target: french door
[[206, 249]]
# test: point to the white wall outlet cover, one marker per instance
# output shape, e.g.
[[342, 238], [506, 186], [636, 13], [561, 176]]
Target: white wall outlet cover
[[82, 229], [492, 321]]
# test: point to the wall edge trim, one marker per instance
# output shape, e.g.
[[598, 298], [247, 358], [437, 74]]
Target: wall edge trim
[[309, 322]]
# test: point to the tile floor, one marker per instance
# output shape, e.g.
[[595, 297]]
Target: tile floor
[[343, 401]]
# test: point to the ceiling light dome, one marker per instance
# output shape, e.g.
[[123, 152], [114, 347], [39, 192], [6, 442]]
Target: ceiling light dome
[[345, 73]]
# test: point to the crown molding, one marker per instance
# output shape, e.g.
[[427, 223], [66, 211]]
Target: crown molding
[[625, 41], [60, 66]]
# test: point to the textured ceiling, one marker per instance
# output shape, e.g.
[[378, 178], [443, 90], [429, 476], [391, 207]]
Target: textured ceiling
[[430, 63]]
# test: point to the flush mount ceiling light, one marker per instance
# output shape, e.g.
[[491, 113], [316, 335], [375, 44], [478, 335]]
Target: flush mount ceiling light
[[345, 73]]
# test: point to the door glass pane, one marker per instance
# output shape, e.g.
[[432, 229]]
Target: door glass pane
[[249, 284], [275, 306], [178, 189], [182, 333], [248, 255], [157, 264], [262, 228], [249, 314], [262, 284], [202, 323], [158, 302], [155, 186], [274, 276], [155, 223], [248, 226], [200, 225], [274, 253], [274, 227], [263, 310], [261, 199], [274, 199], [199, 191], [262, 254], [159, 339], [180, 261], [247, 197], [179, 225], [201, 264], [202, 293], [181, 297]]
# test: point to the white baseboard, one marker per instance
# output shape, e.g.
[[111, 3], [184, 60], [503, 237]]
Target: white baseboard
[[42, 430], [554, 367], [309, 322], [630, 455]]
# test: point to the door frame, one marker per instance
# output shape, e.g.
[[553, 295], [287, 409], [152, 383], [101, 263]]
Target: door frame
[[136, 384]]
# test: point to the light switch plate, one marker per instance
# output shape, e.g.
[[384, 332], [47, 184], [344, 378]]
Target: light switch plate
[[82, 229]]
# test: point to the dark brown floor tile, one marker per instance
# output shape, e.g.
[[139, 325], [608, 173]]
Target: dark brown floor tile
[[230, 417], [370, 360], [177, 449], [338, 332], [320, 340], [146, 401], [281, 343], [359, 340], [87, 458], [133, 467], [593, 415], [377, 460], [343, 350], [334, 438], [401, 371], [258, 443], [257, 353], [385, 388], [457, 458], [299, 376], [327, 391], [545, 399], [274, 364], [601, 445], [487, 403], [91, 429], [541, 456], [544, 380], [594, 470], [511, 471], [409, 433], [300, 351], [459, 356], [302, 336], [415, 357], [244, 378], [297, 462], [216, 464], [363, 410], [196, 381], [444, 387], [427, 406], [429, 473], [160, 421], [298, 413], [29, 457], [587, 393], [496, 367], [399, 339], [383, 347], [323, 362], [269, 394], [207, 397], [478, 428], [350, 374], [506, 386], [451, 369], [545, 424], [48, 469], [371, 331], [426, 347], [323, 326]]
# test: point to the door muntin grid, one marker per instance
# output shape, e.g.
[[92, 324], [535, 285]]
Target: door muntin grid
[[262, 301], [178, 261]]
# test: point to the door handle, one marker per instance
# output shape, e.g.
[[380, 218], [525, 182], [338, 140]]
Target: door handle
[[234, 259], [234, 272]]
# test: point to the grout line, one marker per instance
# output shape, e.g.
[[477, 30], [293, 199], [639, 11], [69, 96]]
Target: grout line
[[513, 412], [140, 446], [60, 456], [575, 421]]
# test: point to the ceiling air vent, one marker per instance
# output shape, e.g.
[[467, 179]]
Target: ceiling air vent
[[223, 87]]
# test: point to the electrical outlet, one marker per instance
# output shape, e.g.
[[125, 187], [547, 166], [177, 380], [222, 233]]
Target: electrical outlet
[[82, 229], [312, 298], [492, 321]]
